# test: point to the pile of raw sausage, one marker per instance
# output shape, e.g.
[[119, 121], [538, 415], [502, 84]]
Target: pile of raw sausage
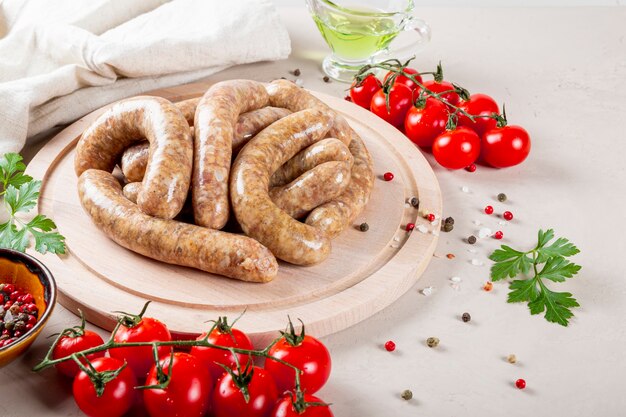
[[300, 175]]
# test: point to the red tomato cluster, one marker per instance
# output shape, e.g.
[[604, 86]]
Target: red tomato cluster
[[424, 120], [205, 381]]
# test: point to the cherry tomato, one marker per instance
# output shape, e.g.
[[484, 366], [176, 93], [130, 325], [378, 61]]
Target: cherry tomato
[[440, 87], [505, 146], [456, 149], [118, 395], [71, 343], [400, 101], [188, 392], [285, 408], [423, 124], [478, 105], [362, 94], [305, 353], [229, 400], [222, 335], [401, 79], [140, 358]]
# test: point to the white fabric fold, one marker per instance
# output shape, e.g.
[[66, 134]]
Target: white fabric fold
[[88, 53]]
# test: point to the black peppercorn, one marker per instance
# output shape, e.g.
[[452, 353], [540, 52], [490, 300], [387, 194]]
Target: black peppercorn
[[466, 317], [364, 227], [326, 79], [406, 394], [415, 202], [447, 227], [471, 240], [502, 197], [449, 220], [296, 72]]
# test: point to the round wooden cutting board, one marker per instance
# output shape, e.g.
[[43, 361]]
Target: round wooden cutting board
[[365, 272]]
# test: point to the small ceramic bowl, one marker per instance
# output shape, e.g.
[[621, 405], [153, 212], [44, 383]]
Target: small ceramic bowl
[[29, 274]]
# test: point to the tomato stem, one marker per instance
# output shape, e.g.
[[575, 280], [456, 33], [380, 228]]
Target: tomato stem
[[100, 379]]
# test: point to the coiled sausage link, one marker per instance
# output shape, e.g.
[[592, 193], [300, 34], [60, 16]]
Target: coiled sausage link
[[168, 173], [258, 216], [170, 241], [215, 119]]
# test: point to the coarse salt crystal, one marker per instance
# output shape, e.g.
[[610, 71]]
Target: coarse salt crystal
[[484, 232], [476, 222], [407, 205], [455, 279], [465, 189], [472, 250], [501, 223], [435, 232], [427, 291], [299, 82], [477, 262], [422, 228], [396, 239]]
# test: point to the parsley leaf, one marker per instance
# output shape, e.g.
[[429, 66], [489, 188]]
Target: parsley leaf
[[12, 171], [20, 195], [552, 254]]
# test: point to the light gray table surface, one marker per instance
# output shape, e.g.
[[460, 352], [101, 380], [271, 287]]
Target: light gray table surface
[[562, 74]]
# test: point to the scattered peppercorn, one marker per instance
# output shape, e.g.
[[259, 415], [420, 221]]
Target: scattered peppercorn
[[364, 227], [432, 342], [489, 210], [488, 286], [326, 79], [447, 227], [296, 72], [406, 394], [511, 358], [450, 256], [430, 217], [520, 384], [470, 168], [502, 197], [388, 176], [507, 215], [415, 202], [466, 317], [390, 346], [471, 240], [449, 220], [410, 226], [498, 235]]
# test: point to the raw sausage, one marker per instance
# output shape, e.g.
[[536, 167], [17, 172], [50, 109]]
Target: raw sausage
[[135, 158], [170, 241], [131, 191], [286, 94], [323, 151], [215, 118], [313, 188], [258, 216], [333, 217], [167, 178]]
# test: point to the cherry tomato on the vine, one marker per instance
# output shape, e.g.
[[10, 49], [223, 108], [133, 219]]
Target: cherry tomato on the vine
[[305, 353], [140, 358], [223, 335], [401, 79], [505, 146], [118, 395], [400, 101], [456, 149], [439, 87], [187, 393], [424, 123], [478, 105], [72, 343], [229, 397], [362, 94], [285, 408]]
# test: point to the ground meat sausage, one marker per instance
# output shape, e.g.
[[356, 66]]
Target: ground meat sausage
[[168, 172], [170, 241]]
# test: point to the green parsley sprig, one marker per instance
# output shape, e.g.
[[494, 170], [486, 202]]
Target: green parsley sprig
[[20, 193], [547, 261]]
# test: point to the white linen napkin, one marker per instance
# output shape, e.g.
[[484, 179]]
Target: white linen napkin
[[62, 59]]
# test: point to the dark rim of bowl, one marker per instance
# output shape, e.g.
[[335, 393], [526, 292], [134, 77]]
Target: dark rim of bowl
[[47, 280]]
